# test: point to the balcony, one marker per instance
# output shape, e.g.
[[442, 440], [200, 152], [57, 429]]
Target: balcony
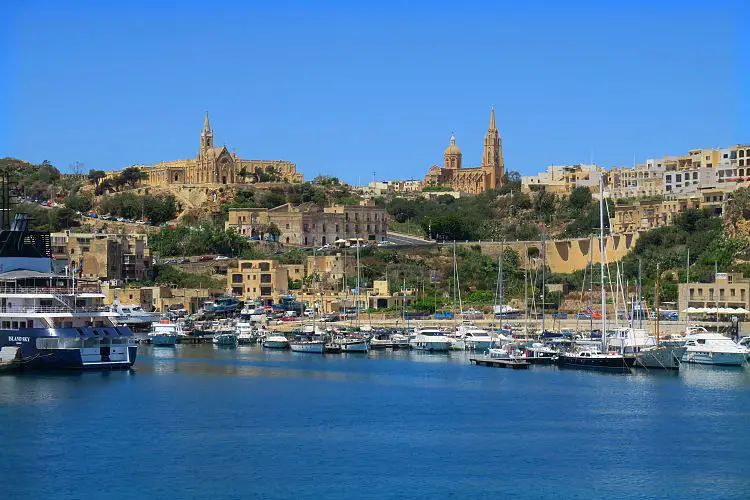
[[31, 309], [19, 290]]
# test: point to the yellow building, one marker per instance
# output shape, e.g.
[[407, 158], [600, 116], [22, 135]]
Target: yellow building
[[216, 165], [471, 180], [562, 179], [102, 255], [642, 215], [263, 280], [309, 225]]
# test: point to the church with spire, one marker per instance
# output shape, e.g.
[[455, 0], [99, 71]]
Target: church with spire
[[217, 165], [471, 180]]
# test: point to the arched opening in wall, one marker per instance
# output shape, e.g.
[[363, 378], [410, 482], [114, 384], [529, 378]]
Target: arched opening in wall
[[533, 252], [287, 239], [562, 249], [224, 179], [305, 240], [176, 177], [324, 240]]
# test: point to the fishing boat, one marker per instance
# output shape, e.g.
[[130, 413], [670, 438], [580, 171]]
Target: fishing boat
[[713, 349], [50, 320], [164, 333]]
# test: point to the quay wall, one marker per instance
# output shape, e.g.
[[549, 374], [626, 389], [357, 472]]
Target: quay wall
[[563, 256]]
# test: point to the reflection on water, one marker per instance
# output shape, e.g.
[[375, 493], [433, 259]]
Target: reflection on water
[[706, 376]]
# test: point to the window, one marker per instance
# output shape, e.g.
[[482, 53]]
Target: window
[[265, 278], [236, 278], [692, 292]]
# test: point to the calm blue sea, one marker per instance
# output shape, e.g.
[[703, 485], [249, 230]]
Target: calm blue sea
[[198, 422]]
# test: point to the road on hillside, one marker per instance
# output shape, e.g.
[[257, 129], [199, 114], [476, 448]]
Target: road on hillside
[[407, 240]]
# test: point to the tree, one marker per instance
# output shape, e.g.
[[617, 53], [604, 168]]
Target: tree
[[580, 198], [96, 175], [79, 202], [131, 176]]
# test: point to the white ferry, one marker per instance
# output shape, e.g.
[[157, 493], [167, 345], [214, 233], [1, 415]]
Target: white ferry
[[53, 321]]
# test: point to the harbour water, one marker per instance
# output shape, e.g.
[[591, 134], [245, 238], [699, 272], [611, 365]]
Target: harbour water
[[202, 422]]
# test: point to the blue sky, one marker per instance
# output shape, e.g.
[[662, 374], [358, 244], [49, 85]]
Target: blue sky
[[348, 90]]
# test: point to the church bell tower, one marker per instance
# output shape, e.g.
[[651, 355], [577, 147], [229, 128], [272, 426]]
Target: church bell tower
[[207, 136], [493, 164]]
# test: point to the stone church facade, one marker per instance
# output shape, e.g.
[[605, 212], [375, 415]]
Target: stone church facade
[[216, 165], [471, 180]]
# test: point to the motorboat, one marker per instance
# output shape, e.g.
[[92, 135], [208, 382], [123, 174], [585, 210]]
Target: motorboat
[[430, 339], [225, 338], [245, 333], [713, 349], [164, 333], [476, 338], [132, 316], [275, 340], [744, 342]]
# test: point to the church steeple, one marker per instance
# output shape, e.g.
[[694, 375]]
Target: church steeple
[[207, 135], [492, 157]]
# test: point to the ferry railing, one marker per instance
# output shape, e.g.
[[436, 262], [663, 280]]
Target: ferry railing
[[49, 290], [12, 309]]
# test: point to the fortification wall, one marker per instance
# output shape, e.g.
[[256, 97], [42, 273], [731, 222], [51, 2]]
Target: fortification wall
[[564, 256]]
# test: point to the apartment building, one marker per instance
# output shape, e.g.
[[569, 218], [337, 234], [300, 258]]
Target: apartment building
[[331, 269], [644, 214], [561, 179], [263, 280], [162, 298], [310, 225], [101, 255]]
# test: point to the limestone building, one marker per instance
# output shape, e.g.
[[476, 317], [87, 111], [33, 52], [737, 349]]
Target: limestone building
[[471, 180], [310, 225], [216, 165]]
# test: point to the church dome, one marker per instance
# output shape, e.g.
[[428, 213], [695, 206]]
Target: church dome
[[453, 149]]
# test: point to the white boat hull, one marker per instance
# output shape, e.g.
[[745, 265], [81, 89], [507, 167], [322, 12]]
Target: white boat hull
[[434, 346], [714, 358], [357, 346], [163, 340], [479, 345], [312, 347], [276, 344]]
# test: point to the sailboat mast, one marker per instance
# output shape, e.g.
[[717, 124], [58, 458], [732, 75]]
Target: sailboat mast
[[657, 302], [544, 271], [525, 293], [501, 284], [601, 261]]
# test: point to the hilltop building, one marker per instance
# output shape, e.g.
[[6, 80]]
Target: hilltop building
[[310, 225], [103, 256], [471, 180], [216, 165]]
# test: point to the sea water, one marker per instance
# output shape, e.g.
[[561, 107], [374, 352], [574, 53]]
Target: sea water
[[203, 422]]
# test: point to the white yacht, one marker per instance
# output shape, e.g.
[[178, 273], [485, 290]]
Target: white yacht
[[430, 339], [713, 349], [275, 340], [245, 333], [132, 315], [476, 339], [638, 343], [164, 333]]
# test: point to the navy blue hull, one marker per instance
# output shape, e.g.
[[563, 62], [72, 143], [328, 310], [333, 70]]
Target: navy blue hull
[[105, 348]]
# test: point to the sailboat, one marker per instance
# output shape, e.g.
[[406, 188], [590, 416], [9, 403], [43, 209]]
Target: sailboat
[[591, 358], [311, 339], [350, 343]]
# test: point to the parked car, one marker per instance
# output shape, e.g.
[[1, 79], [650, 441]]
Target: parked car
[[204, 258], [221, 257], [139, 222]]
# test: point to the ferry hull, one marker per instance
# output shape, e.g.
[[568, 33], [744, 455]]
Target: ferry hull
[[45, 349]]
